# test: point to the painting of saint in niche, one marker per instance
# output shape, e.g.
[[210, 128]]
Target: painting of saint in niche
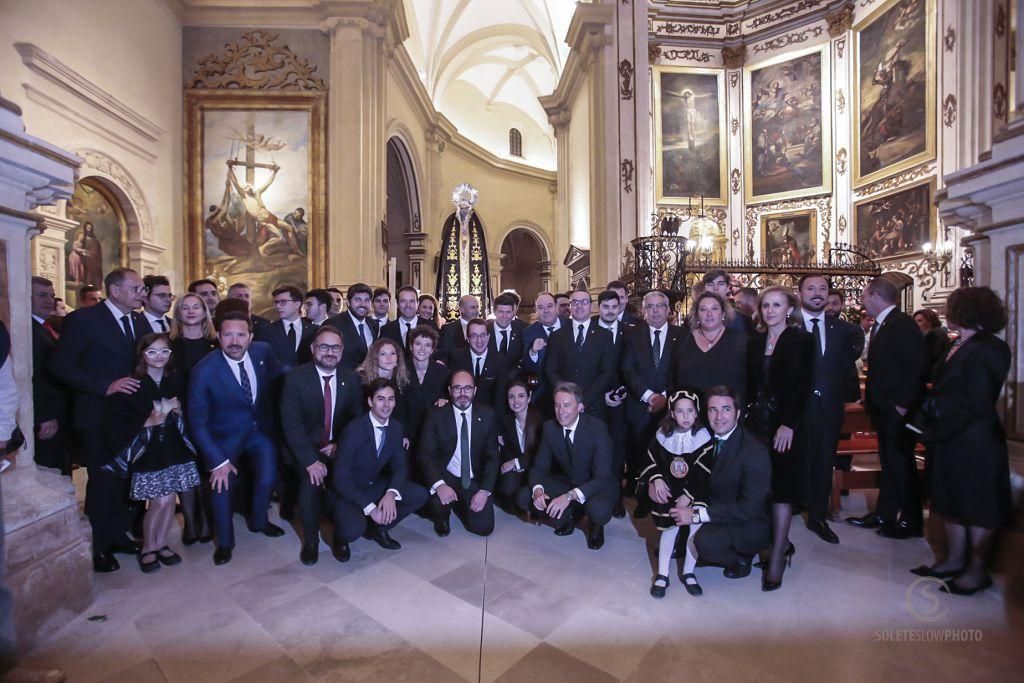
[[897, 224], [94, 248], [789, 238], [787, 152], [894, 104], [690, 154], [257, 190]]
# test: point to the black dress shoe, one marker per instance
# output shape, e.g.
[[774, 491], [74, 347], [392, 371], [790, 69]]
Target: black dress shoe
[[272, 530], [310, 554], [824, 532], [189, 540], [442, 527], [127, 547], [382, 538], [104, 563], [168, 557], [689, 582], [221, 556], [148, 566], [656, 590], [769, 586], [341, 552], [618, 512], [901, 531], [565, 529], [595, 539], [954, 589], [868, 521], [925, 570], [739, 570]]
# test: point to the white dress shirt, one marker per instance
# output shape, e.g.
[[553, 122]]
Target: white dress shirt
[[554, 328], [367, 332], [116, 312], [455, 463], [473, 357], [574, 327], [377, 436], [249, 370], [297, 325], [611, 327], [154, 322], [407, 326]]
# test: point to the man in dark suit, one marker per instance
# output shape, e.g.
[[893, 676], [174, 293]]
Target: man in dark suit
[[289, 333], [535, 343], [582, 353], [608, 317], [398, 329], [371, 487], [95, 356], [836, 346], [380, 306], [230, 417], [241, 291], [490, 369], [571, 475], [157, 302], [506, 329], [357, 329], [453, 333], [458, 456], [317, 401], [734, 525], [719, 282], [624, 316], [317, 306], [207, 291], [49, 397], [896, 368]]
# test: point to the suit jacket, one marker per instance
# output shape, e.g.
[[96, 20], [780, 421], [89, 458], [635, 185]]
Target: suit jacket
[[452, 338], [491, 385], [738, 489], [49, 397], [591, 367], [288, 356], [638, 371], [355, 344], [92, 352], [421, 396], [393, 330], [220, 417], [831, 373], [302, 410], [790, 372], [588, 467], [439, 438], [515, 341], [617, 345], [896, 366], [509, 436], [630, 319], [359, 469]]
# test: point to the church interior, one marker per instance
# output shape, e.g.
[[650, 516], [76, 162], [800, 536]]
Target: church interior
[[471, 147]]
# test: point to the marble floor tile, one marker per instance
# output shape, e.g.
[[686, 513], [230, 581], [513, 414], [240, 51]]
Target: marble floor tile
[[275, 671], [143, 672], [548, 663]]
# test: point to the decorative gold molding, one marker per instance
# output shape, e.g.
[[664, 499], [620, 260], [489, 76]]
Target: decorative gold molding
[[734, 56], [677, 28], [256, 64], [735, 125], [840, 100], [734, 78], [690, 54], [841, 161], [840, 228], [734, 180], [840, 22], [653, 51], [823, 204], [949, 110], [949, 39], [787, 39], [841, 47], [905, 178]]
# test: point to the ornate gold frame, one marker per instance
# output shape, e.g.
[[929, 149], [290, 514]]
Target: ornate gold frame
[[723, 159], [763, 224], [932, 218], [826, 127], [197, 102], [930, 104]]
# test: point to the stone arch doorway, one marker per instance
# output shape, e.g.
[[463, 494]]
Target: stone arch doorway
[[525, 267], [403, 236]]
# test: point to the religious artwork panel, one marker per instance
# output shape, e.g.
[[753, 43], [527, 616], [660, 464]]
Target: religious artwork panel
[[894, 101], [97, 246], [788, 145], [690, 152], [255, 191], [896, 224], [788, 238]]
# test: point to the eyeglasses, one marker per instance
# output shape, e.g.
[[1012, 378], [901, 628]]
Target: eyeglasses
[[156, 353], [282, 302], [137, 289], [164, 295], [479, 335], [329, 348], [653, 307], [463, 389], [579, 302]]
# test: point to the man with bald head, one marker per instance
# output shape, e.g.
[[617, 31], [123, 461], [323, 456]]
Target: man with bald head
[[453, 334], [535, 348]]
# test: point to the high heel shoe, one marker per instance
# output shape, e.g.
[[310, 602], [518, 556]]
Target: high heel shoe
[[925, 570], [790, 551], [957, 590], [769, 586]]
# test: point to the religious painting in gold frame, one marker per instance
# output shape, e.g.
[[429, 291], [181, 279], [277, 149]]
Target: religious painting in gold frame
[[787, 137], [690, 156], [894, 116], [255, 175], [790, 237], [99, 243], [894, 225]]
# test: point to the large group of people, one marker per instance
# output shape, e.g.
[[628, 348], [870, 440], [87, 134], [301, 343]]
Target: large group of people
[[722, 421]]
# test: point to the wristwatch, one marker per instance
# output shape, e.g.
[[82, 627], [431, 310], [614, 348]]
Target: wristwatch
[[696, 517], [571, 495]]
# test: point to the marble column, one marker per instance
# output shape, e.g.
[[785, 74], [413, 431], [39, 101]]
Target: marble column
[[48, 247]]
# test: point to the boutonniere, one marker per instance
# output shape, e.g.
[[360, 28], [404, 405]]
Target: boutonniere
[[261, 364]]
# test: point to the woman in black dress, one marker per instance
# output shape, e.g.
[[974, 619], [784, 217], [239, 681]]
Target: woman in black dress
[[518, 439], [428, 379], [968, 464], [427, 310], [710, 354], [146, 429], [780, 363]]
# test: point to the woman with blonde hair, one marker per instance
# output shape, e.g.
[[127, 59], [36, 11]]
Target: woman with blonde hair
[[386, 359]]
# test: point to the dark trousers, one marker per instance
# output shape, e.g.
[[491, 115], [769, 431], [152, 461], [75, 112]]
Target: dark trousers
[[618, 428], [53, 452], [106, 497], [259, 454], [479, 523], [725, 544], [308, 500], [820, 431], [598, 506], [350, 522], [899, 494], [508, 488], [642, 430]]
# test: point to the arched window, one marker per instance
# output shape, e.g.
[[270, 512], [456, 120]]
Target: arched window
[[515, 142]]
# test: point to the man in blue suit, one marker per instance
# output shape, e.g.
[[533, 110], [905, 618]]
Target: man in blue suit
[[230, 418], [370, 484], [535, 342]]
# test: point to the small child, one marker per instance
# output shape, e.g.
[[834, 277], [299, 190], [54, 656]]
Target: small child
[[681, 455]]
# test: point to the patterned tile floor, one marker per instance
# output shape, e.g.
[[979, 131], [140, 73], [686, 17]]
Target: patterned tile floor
[[525, 605]]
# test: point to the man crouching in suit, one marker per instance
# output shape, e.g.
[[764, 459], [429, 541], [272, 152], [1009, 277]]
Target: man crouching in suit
[[231, 419], [458, 455], [571, 474], [370, 486]]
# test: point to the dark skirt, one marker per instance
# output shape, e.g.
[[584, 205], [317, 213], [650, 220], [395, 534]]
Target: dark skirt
[[970, 485]]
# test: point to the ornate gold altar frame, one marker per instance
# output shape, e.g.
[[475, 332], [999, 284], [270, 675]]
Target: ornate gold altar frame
[[723, 159], [930, 116], [855, 236], [200, 101], [811, 213], [826, 128]]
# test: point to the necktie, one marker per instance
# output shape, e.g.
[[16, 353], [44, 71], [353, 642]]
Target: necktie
[[362, 335], [550, 330], [127, 327], [719, 442], [816, 331], [579, 337], [380, 443], [568, 442], [243, 377], [874, 329], [464, 451], [49, 328], [328, 412], [405, 332], [656, 349], [504, 341], [292, 341], [163, 325], [476, 373]]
